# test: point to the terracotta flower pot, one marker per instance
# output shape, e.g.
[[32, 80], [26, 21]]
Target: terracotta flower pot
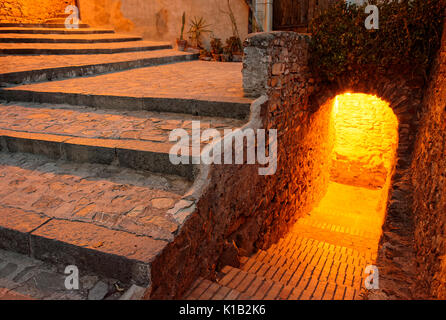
[[237, 57], [181, 44]]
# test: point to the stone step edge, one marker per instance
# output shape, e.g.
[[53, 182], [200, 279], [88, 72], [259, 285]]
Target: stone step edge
[[225, 108], [54, 31], [266, 289], [53, 40], [51, 74], [316, 223], [89, 247], [40, 25], [296, 239], [272, 258], [140, 155], [302, 271], [51, 51]]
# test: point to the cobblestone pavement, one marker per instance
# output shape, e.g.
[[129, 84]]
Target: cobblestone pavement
[[86, 122], [19, 63], [25, 278], [186, 80], [323, 256], [116, 198]]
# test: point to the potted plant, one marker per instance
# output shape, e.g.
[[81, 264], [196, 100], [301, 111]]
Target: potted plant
[[226, 55], [234, 46], [205, 55], [198, 27], [181, 43], [216, 49]]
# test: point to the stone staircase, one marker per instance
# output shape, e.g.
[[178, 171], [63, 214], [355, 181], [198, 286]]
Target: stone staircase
[[84, 161], [323, 257], [49, 53]]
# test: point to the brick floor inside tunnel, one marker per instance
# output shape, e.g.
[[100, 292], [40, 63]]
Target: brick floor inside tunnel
[[326, 252]]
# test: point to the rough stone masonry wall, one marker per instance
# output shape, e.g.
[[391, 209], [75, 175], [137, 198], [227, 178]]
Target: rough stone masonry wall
[[366, 139], [233, 210], [31, 11], [429, 181]]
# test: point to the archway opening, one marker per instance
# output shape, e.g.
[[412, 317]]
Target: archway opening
[[364, 134]]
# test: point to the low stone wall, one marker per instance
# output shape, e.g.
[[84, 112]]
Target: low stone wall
[[232, 210], [31, 11], [429, 181]]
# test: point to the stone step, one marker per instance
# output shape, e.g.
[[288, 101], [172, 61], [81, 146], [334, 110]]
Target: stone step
[[330, 224], [203, 289], [199, 88], [291, 271], [333, 234], [137, 140], [295, 242], [40, 25], [59, 20], [26, 278], [260, 288], [25, 69], [82, 48], [107, 220], [66, 38], [84, 31]]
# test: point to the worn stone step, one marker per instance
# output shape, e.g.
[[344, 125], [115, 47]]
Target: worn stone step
[[292, 271], [137, 140], [102, 219], [196, 87], [26, 278], [66, 38], [25, 69], [40, 25], [203, 289], [22, 30], [82, 48], [335, 236], [295, 243]]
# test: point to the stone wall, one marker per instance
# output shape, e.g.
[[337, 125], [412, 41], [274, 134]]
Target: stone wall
[[31, 11], [429, 181], [232, 210], [365, 141], [105, 13]]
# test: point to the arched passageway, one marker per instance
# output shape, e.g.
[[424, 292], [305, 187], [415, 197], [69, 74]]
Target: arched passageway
[[341, 234]]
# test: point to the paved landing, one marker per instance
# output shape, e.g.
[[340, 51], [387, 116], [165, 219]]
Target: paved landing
[[195, 87], [186, 80]]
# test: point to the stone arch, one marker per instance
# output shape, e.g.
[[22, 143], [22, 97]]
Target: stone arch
[[404, 95]]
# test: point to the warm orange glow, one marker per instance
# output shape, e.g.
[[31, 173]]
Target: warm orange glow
[[366, 139]]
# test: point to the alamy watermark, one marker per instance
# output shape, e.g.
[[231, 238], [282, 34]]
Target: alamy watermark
[[371, 282], [72, 21], [227, 150], [372, 20], [72, 278]]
